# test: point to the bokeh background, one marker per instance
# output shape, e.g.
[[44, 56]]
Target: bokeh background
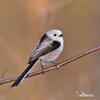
[[23, 22]]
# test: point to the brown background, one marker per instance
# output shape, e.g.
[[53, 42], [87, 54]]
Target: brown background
[[23, 22]]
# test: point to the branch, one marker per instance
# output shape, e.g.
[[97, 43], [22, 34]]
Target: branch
[[3, 73], [61, 64]]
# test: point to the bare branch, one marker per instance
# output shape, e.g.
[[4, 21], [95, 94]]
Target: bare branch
[[69, 60], [3, 73]]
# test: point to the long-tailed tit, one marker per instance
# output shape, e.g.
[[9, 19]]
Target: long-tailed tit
[[47, 51]]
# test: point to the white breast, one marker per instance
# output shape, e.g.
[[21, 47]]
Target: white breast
[[52, 56]]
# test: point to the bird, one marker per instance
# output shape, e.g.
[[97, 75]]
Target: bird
[[46, 52]]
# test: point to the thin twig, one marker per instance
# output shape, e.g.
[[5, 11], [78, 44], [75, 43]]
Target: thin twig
[[84, 53], [6, 69]]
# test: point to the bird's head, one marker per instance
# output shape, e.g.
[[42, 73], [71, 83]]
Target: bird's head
[[55, 34]]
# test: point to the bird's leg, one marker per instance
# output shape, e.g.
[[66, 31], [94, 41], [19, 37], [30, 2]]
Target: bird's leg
[[42, 68], [55, 64]]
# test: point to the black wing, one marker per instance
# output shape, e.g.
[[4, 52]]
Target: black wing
[[41, 40], [44, 50]]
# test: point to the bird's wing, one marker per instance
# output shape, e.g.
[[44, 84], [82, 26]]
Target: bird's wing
[[43, 38], [44, 50]]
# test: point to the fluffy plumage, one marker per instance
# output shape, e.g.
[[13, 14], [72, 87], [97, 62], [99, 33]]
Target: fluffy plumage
[[47, 50]]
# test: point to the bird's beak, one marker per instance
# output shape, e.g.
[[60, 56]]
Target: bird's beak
[[61, 35]]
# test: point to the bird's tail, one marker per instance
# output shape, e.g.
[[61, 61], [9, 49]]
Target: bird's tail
[[24, 74]]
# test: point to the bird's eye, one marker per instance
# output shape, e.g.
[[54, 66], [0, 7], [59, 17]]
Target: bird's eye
[[55, 34]]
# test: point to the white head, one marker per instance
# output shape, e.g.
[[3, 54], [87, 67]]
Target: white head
[[55, 34]]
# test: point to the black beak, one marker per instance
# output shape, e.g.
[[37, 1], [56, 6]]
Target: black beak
[[61, 35]]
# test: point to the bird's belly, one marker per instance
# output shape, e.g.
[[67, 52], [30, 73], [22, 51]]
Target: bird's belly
[[50, 57]]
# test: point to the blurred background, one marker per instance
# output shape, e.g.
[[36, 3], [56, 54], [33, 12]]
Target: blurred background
[[23, 22]]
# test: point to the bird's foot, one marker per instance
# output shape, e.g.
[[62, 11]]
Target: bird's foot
[[57, 66], [42, 70]]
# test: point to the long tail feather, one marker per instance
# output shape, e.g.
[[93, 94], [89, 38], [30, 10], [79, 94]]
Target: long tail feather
[[24, 74]]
